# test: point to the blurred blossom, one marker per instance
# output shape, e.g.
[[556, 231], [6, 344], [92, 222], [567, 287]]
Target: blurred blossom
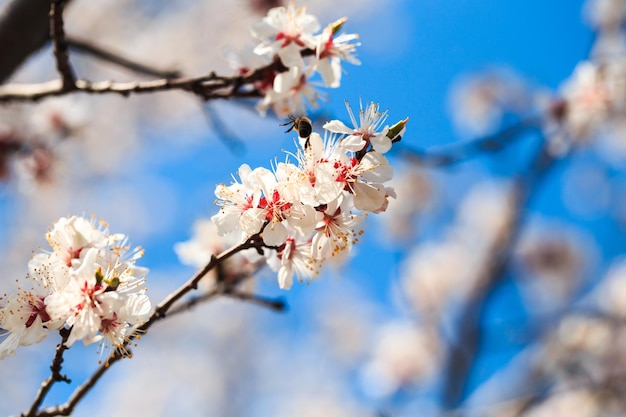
[[586, 190], [584, 334], [405, 355], [414, 194], [586, 100], [433, 274], [485, 214], [59, 118], [579, 350], [552, 261], [479, 102], [40, 167], [610, 295], [595, 94], [605, 15], [437, 273], [608, 45], [345, 324]]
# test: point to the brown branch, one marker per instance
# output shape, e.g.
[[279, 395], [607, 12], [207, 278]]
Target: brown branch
[[211, 86], [192, 302], [24, 29], [85, 47], [275, 304], [59, 45], [160, 312], [54, 377]]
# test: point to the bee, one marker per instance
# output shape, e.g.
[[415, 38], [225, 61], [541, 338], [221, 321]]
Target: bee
[[303, 125]]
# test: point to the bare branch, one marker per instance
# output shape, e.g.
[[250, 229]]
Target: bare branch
[[85, 47], [54, 377], [276, 304], [59, 45], [208, 87], [24, 29]]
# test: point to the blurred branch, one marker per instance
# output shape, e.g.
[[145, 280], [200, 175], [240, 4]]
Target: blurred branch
[[275, 304], [54, 377], [85, 47], [462, 151], [462, 352], [59, 45], [24, 29], [161, 311]]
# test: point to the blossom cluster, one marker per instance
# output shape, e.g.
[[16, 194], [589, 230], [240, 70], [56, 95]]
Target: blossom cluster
[[289, 36], [307, 210], [87, 283]]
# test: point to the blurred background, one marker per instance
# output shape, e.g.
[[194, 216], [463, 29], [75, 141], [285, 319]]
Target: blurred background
[[493, 285]]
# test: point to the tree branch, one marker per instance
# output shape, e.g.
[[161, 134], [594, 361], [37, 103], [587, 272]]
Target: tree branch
[[85, 47], [24, 29], [54, 377], [211, 86], [275, 304], [59, 45]]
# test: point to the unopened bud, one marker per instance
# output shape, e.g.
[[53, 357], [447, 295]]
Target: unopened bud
[[395, 132], [337, 25]]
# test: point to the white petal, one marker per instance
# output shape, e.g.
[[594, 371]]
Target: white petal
[[275, 234], [290, 56], [285, 277], [376, 167], [330, 70], [368, 197], [337, 127], [252, 220]]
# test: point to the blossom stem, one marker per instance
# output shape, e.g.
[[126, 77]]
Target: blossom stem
[[54, 377]]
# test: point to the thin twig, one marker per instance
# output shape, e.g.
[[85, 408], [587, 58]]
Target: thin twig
[[276, 304], [194, 301], [54, 377], [85, 47], [24, 29], [460, 152], [59, 45]]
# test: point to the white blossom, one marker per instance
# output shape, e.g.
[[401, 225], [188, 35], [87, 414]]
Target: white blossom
[[306, 211], [88, 283]]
